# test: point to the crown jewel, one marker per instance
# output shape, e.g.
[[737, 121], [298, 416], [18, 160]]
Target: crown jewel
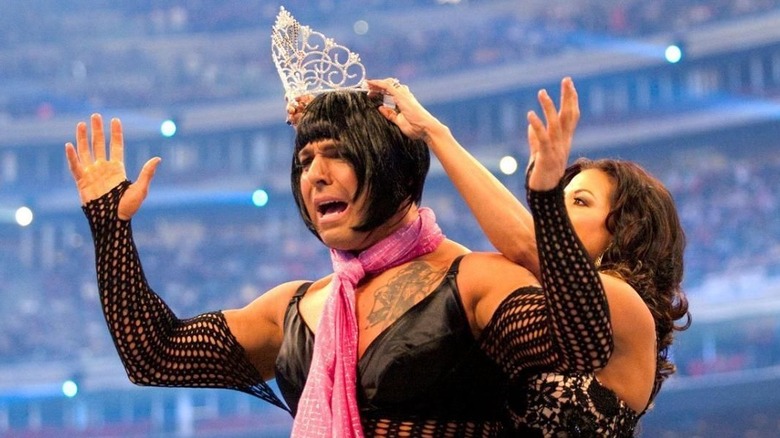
[[308, 62]]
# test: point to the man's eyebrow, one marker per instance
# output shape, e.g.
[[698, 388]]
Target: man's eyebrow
[[324, 145], [329, 144]]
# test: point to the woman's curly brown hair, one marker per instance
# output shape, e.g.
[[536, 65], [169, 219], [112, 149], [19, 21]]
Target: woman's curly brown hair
[[646, 248]]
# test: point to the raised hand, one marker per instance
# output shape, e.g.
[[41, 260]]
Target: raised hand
[[296, 108], [550, 145], [95, 174], [410, 116]]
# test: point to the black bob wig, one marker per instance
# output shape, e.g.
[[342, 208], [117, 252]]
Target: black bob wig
[[389, 166]]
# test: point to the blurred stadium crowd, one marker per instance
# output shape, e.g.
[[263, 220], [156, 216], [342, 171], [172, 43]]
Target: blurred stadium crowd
[[135, 54]]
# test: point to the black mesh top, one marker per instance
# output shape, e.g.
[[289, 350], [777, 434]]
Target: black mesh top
[[565, 401], [562, 328]]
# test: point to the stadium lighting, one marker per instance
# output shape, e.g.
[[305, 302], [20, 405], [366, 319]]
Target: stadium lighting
[[70, 388], [23, 216], [673, 53], [508, 165], [360, 27], [260, 198], [168, 128]]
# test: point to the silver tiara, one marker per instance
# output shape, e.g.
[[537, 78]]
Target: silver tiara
[[308, 62]]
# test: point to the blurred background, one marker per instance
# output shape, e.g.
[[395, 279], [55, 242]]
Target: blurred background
[[688, 88]]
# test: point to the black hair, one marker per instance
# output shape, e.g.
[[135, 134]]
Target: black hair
[[388, 165]]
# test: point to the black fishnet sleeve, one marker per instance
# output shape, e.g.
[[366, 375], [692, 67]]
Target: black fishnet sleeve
[[565, 326], [157, 348]]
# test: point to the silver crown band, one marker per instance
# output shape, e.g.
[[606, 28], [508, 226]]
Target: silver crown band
[[308, 62]]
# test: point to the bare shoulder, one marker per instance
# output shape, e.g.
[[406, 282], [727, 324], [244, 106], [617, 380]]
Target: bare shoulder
[[489, 270], [268, 303], [263, 313], [258, 326], [629, 314], [485, 280], [445, 253]]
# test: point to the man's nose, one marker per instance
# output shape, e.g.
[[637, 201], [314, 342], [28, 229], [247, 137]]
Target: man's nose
[[318, 173]]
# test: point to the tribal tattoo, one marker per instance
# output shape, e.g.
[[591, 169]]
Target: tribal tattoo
[[404, 290]]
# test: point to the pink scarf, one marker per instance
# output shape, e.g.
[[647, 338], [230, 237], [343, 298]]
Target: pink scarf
[[328, 406]]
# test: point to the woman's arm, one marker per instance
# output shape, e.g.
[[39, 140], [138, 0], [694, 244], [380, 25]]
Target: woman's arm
[[568, 326], [503, 218], [569, 277], [565, 324]]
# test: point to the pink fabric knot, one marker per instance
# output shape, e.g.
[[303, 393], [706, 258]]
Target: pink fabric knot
[[348, 268], [328, 406]]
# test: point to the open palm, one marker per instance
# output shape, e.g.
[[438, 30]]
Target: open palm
[[95, 174], [549, 145]]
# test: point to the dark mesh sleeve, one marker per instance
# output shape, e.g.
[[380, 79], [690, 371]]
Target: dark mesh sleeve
[[157, 348], [565, 325]]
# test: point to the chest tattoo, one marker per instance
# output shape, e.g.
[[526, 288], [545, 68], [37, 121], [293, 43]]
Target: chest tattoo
[[401, 292]]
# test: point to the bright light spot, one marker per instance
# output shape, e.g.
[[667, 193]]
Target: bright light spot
[[23, 216], [673, 54], [360, 27], [260, 198], [168, 128], [508, 165], [70, 388]]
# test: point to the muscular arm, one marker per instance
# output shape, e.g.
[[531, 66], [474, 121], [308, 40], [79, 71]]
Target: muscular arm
[[156, 347]]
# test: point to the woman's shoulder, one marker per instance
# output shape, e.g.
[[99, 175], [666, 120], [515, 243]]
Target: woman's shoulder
[[632, 322], [625, 300]]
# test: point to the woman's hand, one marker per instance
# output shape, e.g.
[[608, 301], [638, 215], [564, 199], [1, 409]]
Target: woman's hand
[[296, 108], [96, 175], [409, 115], [550, 146]]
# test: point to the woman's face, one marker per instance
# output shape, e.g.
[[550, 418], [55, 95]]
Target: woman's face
[[588, 196], [328, 188]]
